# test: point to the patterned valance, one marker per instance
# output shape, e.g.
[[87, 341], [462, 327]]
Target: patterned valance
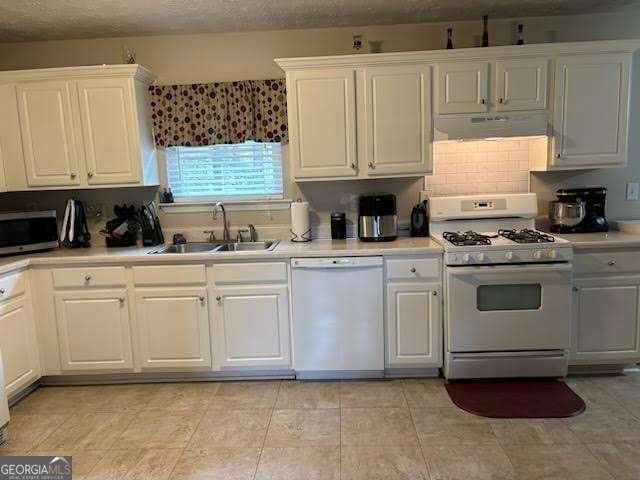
[[212, 113]]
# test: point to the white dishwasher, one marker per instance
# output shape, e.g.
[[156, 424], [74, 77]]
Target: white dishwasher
[[338, 327]]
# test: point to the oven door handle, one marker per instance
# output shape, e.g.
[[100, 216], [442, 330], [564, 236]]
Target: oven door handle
[[517, 269]]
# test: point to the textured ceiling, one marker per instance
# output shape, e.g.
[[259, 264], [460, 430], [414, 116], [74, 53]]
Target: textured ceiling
[[24, 20]]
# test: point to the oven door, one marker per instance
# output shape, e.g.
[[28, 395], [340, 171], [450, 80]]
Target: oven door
[[508, 307]]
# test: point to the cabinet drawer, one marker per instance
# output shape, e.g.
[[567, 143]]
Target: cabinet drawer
[[12, 286], [250, 272], [89, 277], [170, 274], [413, 269], [615, 262]]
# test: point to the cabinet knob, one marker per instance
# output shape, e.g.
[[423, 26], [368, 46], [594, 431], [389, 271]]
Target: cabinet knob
[[612, 263], [2, 291], [501, 100], [201, 298], [558, 155], [73, 174], [89, 174], [412, 269], [121, 300], [575, 289], [483, 101], [354, 166], [372, 165], [87, 278], [434, 293], [219, 300]]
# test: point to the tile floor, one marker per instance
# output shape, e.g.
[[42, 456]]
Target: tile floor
[[288, 430]]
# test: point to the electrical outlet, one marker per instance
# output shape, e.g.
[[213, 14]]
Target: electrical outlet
[[633, 190]]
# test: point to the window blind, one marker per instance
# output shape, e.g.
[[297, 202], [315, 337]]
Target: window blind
[[249, 170]]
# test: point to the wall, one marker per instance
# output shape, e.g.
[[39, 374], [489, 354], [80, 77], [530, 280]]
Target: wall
[[236, 56]]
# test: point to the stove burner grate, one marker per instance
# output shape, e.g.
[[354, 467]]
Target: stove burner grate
[[461, 239], [526, 236]]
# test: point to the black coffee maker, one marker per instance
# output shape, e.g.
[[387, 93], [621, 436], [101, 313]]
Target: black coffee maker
[[593, 199]]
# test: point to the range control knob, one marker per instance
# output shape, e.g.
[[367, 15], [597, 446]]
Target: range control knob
[[537, 254], [508, 255], [466, 258]]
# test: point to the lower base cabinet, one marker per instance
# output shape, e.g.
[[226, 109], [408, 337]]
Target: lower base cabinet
[[414, 325], [19, 345], [173, 328], [94, 331], [252, 326], [606, 320]]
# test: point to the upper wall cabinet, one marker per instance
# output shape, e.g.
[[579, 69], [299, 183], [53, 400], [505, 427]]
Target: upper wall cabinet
[[395, 128], [521, 84], [79, 127], [463, 87], [372, 116], [321, 105], [591, 111]]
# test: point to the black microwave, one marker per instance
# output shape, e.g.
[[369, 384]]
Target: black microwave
[[28, 231]]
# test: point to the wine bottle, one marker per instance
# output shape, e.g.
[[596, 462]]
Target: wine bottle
[[449, 38], [485, 31], [520, 34]]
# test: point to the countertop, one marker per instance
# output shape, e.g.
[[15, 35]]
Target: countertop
[[284, 249], [608, 240]]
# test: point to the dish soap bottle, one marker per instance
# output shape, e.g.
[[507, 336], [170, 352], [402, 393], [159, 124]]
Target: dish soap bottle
[[485, 30]]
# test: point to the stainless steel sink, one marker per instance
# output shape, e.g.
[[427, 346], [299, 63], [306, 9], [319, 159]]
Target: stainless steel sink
[[203, 247], [247, 246], [191, 247]]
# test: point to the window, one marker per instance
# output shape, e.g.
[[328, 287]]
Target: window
[[242, 171]]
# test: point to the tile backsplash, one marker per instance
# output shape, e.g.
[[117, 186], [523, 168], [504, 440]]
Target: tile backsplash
[[479, 166]]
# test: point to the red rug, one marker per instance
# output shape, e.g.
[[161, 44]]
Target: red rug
[[516, 398]]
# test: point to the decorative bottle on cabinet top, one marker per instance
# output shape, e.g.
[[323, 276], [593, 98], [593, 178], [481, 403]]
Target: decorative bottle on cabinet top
[[449, 38], [520, 34], [485, 30]]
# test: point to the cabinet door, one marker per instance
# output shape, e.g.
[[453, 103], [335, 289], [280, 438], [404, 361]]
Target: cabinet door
[[414, 324], [322, 123], [606, 321], [591, 110], [173, 328], [18, 345], [109, 130], [521, 84], [49, 140], [396, 128], [93, 330], [462, 87], [252, 326]]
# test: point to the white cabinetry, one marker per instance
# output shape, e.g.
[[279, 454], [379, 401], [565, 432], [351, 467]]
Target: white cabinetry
[[521, 84], [84, 127], [322, 120], [606, 309], [94, 331], [591, 110], [414, 313], [251, 325], [18, 343], [396, 122], [173, 328], [49, 136], [462, 87]]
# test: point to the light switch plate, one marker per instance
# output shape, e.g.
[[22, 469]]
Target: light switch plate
[[633, 190]]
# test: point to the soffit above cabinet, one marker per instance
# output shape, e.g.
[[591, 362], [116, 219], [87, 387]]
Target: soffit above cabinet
[[432, 56]]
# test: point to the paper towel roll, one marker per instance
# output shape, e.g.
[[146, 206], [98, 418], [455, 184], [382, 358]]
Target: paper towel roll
[[300, 222]]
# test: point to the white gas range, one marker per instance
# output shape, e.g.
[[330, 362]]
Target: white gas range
[[507, 288]]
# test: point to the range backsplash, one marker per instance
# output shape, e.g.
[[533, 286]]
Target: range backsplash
[[479, 166]]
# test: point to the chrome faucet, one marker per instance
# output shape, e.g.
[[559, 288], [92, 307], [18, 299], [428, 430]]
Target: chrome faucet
[[225, 227]]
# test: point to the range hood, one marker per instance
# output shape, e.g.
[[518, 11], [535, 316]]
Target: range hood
[[490, 125]]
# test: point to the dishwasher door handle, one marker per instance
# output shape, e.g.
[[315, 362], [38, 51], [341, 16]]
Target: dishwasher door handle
[[336, 262]]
